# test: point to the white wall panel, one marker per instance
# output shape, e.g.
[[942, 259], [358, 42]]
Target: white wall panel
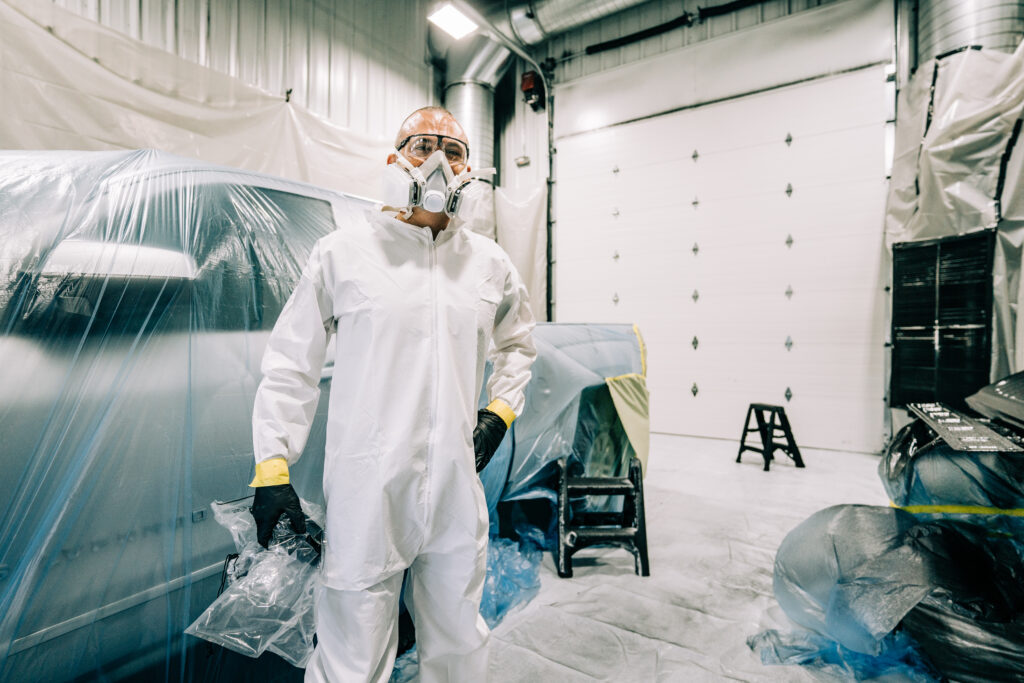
[[827, 40], [644, 213], [567, 48], [361, 64]]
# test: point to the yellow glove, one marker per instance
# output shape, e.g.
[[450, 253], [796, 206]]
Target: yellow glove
[[271, 472]]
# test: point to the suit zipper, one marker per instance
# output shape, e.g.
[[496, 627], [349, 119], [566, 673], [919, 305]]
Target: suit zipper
[[435, 352]]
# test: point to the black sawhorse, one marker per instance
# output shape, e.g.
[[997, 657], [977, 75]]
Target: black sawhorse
[[626, 529], [769, 431]]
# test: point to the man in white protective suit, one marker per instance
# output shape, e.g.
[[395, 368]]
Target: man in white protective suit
[[412, 303]]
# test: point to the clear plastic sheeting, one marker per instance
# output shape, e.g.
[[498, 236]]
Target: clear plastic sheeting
[[268, 594], [959, 168], [854, 573], [267, 599], [137, 291]]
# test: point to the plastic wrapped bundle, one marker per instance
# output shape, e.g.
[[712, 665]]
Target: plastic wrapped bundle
[[923, 473], [853, 573], [267, 604]]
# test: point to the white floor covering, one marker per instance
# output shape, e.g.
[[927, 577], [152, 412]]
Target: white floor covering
[[713, 529]]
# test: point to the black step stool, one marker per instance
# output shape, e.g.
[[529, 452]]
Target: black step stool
[[626, 529], [770, 431]]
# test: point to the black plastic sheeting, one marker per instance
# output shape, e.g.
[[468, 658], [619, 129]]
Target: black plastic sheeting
[[854, 573], [920, 469], [1002, 401]]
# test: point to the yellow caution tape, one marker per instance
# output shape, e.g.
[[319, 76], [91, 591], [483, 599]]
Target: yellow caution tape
[[958, 510]]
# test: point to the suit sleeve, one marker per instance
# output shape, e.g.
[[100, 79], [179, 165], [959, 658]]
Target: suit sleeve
[[513, 352], [292, 364]]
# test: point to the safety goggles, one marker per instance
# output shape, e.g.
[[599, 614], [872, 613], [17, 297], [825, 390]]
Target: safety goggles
[[423, 145]]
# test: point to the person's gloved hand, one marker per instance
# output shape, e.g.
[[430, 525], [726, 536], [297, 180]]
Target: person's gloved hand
[[269, 503], [490, 430]]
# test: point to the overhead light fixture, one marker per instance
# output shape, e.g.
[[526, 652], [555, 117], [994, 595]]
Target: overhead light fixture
[[452, 21]]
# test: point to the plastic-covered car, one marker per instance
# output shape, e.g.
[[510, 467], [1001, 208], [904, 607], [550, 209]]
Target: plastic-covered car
[[137, 291]]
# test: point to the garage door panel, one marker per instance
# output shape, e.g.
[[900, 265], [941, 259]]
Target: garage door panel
[[732, 202]]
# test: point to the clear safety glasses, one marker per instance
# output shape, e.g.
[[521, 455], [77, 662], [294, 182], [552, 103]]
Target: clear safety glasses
[[423, 145]]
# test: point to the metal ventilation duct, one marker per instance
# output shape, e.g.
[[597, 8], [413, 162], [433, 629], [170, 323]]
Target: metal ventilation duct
[[534, 21], [475, 67], [473, 71], [945, 25]]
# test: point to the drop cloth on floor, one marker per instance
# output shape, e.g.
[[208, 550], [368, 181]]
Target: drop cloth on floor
[[713, 529]]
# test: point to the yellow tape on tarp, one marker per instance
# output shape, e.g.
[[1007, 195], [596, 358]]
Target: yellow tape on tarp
[[632, 403], [958, 510], [643, 350]]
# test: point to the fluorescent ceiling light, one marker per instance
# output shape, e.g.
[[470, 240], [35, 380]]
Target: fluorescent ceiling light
[[452, 21]]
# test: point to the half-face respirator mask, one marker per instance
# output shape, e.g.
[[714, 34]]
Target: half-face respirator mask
[[432, 185]]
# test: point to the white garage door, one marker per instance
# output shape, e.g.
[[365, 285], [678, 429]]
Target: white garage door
[[723, 241]]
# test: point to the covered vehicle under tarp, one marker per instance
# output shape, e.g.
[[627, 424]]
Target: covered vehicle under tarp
[[587, 401], [855, 573], [923, 473], [137, 292]]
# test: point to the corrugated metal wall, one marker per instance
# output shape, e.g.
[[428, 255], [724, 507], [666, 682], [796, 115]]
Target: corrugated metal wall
[[651, 14], [361, 64]]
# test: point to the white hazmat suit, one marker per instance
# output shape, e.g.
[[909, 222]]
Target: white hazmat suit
[[413, 318]]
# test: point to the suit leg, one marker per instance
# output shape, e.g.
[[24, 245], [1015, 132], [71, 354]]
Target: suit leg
[[357, 633]]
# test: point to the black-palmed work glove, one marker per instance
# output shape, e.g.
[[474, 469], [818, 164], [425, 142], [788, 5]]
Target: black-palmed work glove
[[269, 503], [490, 430]]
